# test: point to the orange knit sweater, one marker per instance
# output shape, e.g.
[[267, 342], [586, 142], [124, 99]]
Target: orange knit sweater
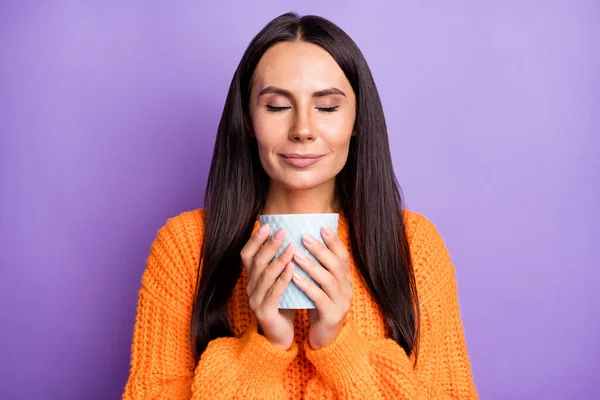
[[361, 363]]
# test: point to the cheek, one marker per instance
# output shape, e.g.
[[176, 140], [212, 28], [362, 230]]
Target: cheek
[[267, 134], [267, 128], [339, 136], [338, 130]]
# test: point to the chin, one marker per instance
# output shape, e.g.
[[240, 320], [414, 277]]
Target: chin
[[302, 184]]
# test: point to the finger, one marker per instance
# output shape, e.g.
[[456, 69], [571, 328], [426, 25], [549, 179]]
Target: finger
[[265, 255], [273, 296], [263, 282], [316, 294], [253, 245], [335, 245], [326, 257], [320, 275]]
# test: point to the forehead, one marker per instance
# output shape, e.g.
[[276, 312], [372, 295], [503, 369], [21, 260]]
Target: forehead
[[299, 66]]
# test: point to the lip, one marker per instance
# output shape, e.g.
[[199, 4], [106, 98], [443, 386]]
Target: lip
[[297, 155], [301, 160]]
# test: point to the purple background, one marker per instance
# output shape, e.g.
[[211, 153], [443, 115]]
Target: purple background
[[108, 114]]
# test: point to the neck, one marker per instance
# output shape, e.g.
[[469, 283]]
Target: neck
[[283, 200]]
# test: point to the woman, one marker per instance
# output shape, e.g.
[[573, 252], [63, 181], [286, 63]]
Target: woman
[[386, 325]]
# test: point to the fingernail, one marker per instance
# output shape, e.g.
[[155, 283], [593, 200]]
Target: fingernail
[[300, 257], [327, 231], [263, 229], [290, 268], [279, 234], [309, 241], [289, 249]]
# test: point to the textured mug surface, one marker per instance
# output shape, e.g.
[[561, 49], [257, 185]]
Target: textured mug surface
[[295, 225]]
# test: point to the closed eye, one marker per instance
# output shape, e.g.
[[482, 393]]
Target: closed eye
[[328, 109], [276, 109]]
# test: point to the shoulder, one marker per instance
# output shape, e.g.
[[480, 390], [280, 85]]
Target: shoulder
[[419, 228], [430, 257], [175, 251], [184, 233], [185, 224]]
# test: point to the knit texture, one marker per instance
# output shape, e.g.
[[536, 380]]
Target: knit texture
[[361, 363]]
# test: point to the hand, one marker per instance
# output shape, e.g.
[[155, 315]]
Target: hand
[[335, 295], [266, 283]]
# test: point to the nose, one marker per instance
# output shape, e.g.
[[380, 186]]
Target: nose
[[302, 128]]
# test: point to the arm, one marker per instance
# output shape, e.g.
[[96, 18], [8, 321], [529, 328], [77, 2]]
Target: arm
[[162, 364], [355, 367]]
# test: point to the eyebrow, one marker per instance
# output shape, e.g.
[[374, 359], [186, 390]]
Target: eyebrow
[[288, 94]]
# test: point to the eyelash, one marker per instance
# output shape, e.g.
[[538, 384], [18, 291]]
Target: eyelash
[[324, 109]]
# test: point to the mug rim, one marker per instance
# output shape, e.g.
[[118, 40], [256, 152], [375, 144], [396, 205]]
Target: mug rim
[[298, 214]]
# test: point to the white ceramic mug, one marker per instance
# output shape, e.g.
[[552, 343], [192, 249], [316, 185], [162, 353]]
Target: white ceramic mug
[[295, 225]]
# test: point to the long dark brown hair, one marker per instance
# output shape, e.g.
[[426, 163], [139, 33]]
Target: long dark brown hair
[[366, 189]]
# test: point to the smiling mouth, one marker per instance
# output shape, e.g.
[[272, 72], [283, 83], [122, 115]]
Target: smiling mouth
[[301, 161]]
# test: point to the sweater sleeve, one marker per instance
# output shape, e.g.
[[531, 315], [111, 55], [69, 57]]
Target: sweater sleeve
[[162, 363], [356, 367]]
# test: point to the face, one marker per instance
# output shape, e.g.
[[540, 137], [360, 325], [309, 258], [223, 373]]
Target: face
[[301, 104]]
